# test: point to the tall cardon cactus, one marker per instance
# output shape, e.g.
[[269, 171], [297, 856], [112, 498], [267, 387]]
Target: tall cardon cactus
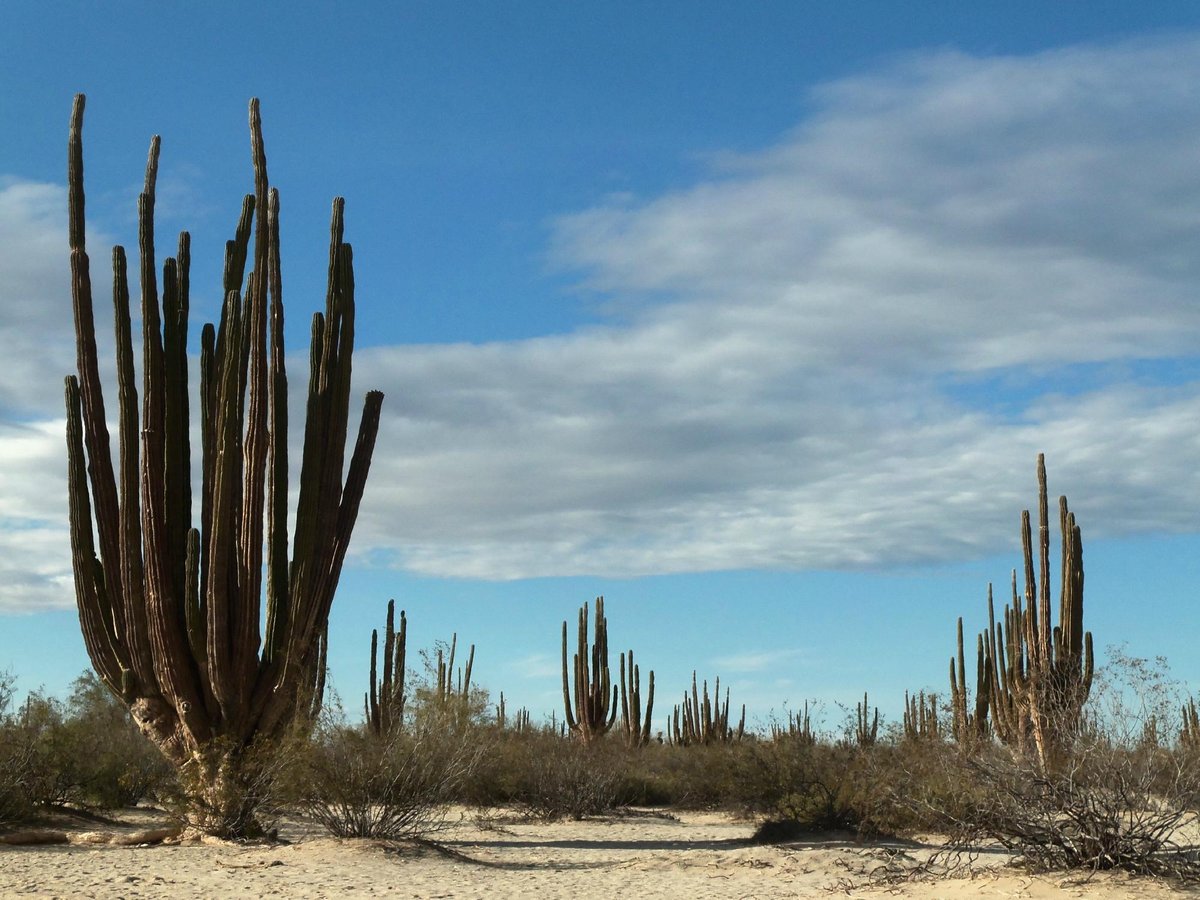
[[593, 710], [1044, 670], [172, 614]]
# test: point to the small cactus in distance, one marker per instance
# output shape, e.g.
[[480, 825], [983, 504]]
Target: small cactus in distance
[[384, 702], [1189, 732], [635, 725], [701, 721], [592, 711], [970, 724], [448, 693], [921, 717], [866, 727], [797, 729], [521, 722]]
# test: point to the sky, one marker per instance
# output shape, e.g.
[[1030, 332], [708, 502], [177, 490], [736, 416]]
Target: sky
[[751, 318]]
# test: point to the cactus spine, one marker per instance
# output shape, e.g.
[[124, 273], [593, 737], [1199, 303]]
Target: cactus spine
[[384, 702], [170, 613], [592, 711]]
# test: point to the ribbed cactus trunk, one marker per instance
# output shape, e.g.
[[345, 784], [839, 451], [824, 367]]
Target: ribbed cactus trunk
[[172, 615]]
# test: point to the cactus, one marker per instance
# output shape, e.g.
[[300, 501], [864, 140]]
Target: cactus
[[700, 721], [970, 725], [1010, 719], [1048, 669], [1189, 732], [448, 694], [798, 728], [521, 723], [171, 613], [384, 702], [921, 717], [1038, 675], [592, 712], [635, 726], [866, 728]]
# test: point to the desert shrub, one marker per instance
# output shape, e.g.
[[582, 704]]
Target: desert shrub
[[51, 760], [15, 803], [697, 776], [567, 778], [1117, 799], [85, 752], [113, 765], [503, 772], [811, 785], [395, 786], [1106, 807]]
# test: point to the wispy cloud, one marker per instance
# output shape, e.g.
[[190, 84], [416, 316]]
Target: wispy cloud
[[808, 381], [536, 667], [814, 337], [756, 660]]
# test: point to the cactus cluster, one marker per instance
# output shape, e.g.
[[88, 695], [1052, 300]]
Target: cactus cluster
[[921, 720], [798, 728], [700, 720], [1034, 677], [970, 722], [521, 722], [449, 692], [383, 704], [171, 613], [591, 710], [635, 723], [589, 697], [866, 726]]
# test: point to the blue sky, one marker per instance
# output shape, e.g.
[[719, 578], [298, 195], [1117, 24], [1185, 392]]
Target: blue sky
[[751, 317]]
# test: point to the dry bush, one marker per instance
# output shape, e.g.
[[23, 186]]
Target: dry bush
[[1115, 799], [698, 776], [1107, 807], [805, 786], [569, 778], [392, 787]]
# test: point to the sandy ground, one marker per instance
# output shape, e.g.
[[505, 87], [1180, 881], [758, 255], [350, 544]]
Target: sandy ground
[[634, 856]]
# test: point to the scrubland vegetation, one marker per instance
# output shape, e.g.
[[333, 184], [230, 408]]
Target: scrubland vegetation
[[1122, 792], [209, 702]]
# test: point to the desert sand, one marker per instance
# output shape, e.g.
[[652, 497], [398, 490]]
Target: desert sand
[[641, 854]]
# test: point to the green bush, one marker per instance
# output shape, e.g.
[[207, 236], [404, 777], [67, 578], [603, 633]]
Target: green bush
[[113, 765], [16, 806]]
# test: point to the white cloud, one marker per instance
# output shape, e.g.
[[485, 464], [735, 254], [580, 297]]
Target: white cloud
[[807, 377], [756, 660], [782, 399]]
